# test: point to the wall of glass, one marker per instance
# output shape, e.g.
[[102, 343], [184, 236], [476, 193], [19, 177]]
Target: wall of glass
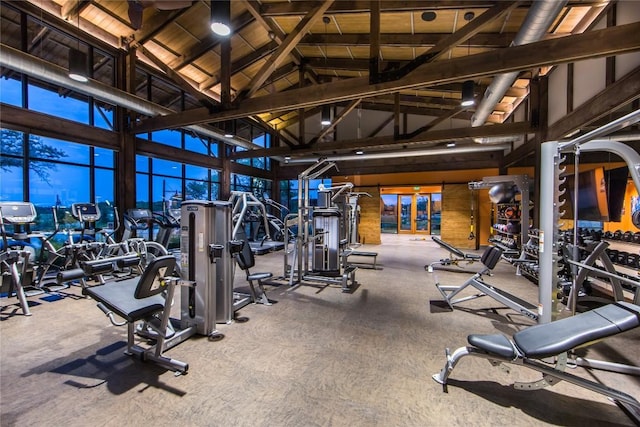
[[58, 174], [289, 192], [163, 184], [251, 184], [256, 135]]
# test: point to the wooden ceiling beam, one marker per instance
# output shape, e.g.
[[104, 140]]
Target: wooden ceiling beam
[[278, 35], [355, 6], [288, 8], [622, 92], [442, 118], [353, 104], [594, 44], [449, 42], [72, 9], [381, 126], [209, 42], [156, 23], [423, 139], [288, 44], [242, 63], [177, 78], [484, 40]]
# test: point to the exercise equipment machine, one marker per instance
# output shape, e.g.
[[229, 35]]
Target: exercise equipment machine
[[340, 197], [555, 340], [148, 299], [456, 256], [13, 262], [19, 215], [207, 254], [250, 212], [246, 260], [206, 286], [317, 239], [551, 170], [489, 259], [512, 224]]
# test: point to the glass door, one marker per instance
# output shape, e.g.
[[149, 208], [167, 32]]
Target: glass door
[[406, 217], [436, 209], [422, 213], [410, 213]]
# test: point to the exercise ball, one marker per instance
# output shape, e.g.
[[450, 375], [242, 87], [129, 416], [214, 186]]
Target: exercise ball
[[502, 193]]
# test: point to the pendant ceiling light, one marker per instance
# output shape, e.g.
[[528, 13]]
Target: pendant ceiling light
[[467, 94], [221, 17], [230, 128], [325, 118], [78, 69], [78, 65]]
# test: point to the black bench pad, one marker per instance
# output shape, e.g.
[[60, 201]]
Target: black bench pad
[[551, 339], [118, 297], [494, 344]]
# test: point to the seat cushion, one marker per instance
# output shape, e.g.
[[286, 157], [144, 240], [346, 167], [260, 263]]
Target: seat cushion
[[118, 297], [495, 344], [553, 338]]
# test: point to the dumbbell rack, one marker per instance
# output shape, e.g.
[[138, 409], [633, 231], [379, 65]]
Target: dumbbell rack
[[624, 253], [506, 230]]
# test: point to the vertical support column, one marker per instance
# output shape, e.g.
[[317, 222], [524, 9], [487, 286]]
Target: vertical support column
[[225, 176], [126, 156], [396, 115], [301, 130], [610, 72], [374, 43], [547, 298], [225, 72], [570, 68], [538, 101]]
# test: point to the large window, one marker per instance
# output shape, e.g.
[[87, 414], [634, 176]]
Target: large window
[[258, 137], [11, 90], [162, 184], [289, 192], [59, 173]]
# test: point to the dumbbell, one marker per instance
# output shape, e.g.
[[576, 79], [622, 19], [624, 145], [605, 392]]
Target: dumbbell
[[607, 235], [633, 261], [613, 254], [636, 237], [627, 236], [617, 235], [623, 256]]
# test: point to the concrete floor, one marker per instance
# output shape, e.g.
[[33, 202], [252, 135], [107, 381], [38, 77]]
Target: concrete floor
[[318, 357]]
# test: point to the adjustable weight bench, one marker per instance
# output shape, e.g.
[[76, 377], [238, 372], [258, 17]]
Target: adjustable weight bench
[[141, 299], [489, 259], [455, 257], [555, 339]]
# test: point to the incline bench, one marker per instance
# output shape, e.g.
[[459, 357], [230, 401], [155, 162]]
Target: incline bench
[[455, 256], [555, 339]]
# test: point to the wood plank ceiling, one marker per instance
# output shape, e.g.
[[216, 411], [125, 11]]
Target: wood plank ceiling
[[279, 46]]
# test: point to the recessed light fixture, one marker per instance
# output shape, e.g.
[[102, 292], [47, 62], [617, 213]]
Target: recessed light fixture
[[428, 16], [469, 16], [359, 152], [451, 144]]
